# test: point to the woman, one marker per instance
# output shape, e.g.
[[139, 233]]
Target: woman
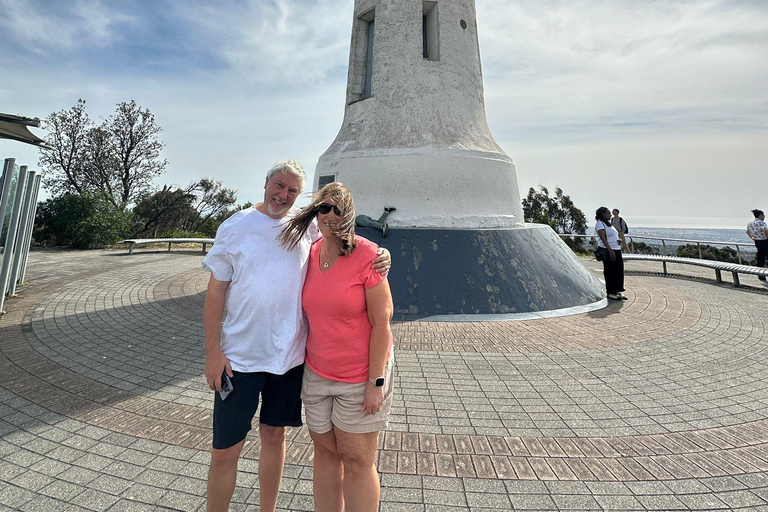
[[757, 230], [613, 264], [347, 388]]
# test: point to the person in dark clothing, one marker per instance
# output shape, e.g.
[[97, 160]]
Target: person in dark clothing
[[613, 264], [364, 221], [757, 230]]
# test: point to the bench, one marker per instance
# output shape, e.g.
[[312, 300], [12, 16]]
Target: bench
[[143, 241], [717, 266]]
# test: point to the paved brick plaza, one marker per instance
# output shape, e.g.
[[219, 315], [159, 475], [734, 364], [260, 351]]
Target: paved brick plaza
[[659, 403]]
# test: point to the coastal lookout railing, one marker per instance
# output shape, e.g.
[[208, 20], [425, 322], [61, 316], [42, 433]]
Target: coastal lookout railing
[[664, 248]]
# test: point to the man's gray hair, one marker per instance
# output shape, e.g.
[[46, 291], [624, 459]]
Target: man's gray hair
[[289, 166]]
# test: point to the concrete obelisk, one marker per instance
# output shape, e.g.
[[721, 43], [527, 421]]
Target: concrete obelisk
[[415, 136]]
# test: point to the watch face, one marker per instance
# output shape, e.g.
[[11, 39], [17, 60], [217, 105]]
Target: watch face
[[380, 382]]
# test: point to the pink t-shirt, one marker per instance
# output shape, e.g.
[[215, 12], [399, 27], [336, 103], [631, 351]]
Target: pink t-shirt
[[334, 302]]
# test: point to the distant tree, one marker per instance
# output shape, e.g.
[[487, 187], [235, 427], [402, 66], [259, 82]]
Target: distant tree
[[64, 163], [134, 138], [120, 157], [100, 162], [559, 212], [709, 252], [198, 208], [212, 201], [536, 206], [165, 209]]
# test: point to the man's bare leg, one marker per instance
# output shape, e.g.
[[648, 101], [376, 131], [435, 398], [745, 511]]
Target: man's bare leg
[[222, 476], [271, 462]]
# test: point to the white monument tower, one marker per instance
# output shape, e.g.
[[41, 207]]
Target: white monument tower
[[415, 136]]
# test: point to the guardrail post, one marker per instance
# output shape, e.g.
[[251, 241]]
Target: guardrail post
[[738, 253], [699, 246], [664, 246]]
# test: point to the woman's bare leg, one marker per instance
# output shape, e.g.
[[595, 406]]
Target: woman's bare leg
[[328, 476], [361, 482]]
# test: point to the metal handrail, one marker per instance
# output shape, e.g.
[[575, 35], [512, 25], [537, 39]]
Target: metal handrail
[[665, 240]]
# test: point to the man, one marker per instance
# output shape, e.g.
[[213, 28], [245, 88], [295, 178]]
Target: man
[[261, 345], [620, 226]]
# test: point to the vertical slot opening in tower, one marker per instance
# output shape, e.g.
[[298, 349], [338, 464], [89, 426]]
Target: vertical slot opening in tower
[[368, 60], [429, 31], [361, 63]]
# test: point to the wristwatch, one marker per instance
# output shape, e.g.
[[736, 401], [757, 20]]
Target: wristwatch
[[377, 381]]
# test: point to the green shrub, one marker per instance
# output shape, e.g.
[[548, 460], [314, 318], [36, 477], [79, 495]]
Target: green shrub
[[708, 252], [643, 248], [180, 233], [82, 221]]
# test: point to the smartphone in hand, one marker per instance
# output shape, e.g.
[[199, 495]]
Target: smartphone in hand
[[226, 386]]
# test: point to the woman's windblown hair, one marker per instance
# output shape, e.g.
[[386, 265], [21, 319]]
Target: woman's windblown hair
[[344, 228]]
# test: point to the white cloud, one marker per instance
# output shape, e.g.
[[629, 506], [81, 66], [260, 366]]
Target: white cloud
[[85, 22], [281, 43], [590, 63]]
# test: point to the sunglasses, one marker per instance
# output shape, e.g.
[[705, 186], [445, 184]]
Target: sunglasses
[[326, 208]]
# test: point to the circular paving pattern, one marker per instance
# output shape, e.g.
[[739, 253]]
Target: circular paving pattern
[[660, 402]]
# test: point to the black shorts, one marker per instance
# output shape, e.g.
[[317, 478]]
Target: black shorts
[[280, 404]]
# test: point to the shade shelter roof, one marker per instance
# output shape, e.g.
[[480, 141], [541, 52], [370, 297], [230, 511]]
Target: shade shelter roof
[[15, 128]]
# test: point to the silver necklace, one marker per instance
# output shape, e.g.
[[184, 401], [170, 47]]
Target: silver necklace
[[325, 265]]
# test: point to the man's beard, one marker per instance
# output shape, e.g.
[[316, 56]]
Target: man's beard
[[273, 209]]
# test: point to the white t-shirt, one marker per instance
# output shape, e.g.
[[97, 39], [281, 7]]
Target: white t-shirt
[[264, 327], [756, 229], [611, 235]]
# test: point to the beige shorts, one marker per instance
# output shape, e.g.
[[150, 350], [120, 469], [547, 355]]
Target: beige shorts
[[330, 402]]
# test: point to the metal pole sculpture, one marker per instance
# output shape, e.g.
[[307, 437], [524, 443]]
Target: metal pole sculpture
[[10, 238], [21, 233], [5, 188], [28, 241], [415, 137]]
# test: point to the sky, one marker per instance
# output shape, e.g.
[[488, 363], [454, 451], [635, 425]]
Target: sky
[[659, 108]]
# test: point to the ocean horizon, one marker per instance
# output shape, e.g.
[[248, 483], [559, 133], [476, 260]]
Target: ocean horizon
[[708, 229], [720, 235], [690, 222]]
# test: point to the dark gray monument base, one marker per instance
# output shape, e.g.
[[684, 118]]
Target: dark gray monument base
[[439, 272]]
